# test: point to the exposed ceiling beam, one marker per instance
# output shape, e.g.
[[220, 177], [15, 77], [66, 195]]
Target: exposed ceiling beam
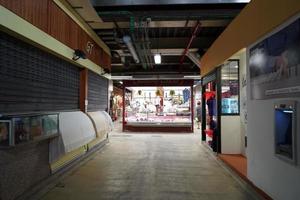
[[163, 24], [162, 64], [161, 2], [86, 10], [175, 43], [170, 43], [164, 52], [180, 42], [171, 52]]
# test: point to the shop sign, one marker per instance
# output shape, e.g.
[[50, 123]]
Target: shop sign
[[89, 47]]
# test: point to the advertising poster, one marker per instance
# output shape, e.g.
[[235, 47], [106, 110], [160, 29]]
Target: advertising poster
[[274, 64]]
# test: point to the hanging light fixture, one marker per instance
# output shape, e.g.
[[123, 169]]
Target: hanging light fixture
[[157, 58]]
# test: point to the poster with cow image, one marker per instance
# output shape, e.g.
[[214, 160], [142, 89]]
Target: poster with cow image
[[274, 64]]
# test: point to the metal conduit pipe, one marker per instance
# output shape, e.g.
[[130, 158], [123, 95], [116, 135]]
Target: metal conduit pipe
[[131, 48], [144, 49], [196, 28], [139, 50], [138, 43], [148, 51]]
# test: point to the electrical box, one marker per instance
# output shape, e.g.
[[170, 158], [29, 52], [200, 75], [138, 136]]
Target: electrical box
[[285, 131]]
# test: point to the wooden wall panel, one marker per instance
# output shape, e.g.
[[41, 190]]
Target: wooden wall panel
[[106, 61], [82, 44], [73, 34], [47, 16], [97, 54], [33, 11], [62, 27]]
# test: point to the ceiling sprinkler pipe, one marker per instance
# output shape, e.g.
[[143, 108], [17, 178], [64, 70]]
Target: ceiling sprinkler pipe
[[129, 45], [132, 26]]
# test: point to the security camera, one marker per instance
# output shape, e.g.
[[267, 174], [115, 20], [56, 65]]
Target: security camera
[[78, 54]]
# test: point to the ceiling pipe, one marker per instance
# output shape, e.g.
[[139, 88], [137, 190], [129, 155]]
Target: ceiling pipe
[[146, 43], [129, 45], [196, 28]]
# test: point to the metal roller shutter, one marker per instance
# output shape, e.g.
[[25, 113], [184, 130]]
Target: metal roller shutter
[[34, 80], [97, 92]]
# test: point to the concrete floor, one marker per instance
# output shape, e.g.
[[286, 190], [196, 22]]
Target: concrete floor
[[150, 166]]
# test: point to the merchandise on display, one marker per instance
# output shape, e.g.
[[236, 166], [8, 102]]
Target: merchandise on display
[[211, 115], [158, 105]]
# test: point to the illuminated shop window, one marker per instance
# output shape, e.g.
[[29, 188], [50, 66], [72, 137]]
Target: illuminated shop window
[[230, 88], [158, 105]]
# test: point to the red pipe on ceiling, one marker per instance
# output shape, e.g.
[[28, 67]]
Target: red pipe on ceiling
[[196, 28]]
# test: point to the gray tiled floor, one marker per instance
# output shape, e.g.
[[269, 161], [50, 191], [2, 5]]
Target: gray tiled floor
[[150, 166]]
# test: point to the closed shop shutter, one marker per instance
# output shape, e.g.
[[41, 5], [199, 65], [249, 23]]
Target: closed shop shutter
[[32, 80], [97, 92]]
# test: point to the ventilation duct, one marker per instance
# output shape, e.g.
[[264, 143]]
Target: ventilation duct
[[131, 48]]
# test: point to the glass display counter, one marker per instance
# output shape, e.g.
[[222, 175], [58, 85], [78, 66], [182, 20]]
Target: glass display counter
[[21, 129], [165, 107]]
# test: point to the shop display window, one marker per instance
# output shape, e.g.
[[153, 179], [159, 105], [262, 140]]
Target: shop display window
[[116, 106], [230, 88], [158, 105], [49, 124], [22, 129]]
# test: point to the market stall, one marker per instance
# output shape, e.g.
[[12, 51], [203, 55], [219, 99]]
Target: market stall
[[164, 106]]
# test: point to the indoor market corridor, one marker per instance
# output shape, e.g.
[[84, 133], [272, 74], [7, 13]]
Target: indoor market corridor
[[150, 166]]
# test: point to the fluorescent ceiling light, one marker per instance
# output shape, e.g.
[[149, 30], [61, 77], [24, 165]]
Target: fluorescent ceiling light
[[192, 77], [121, 77], [157, 59], [117, 64], [288, 111]]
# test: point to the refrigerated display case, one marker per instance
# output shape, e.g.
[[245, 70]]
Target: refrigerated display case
[[164, 108], [21, 129]]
